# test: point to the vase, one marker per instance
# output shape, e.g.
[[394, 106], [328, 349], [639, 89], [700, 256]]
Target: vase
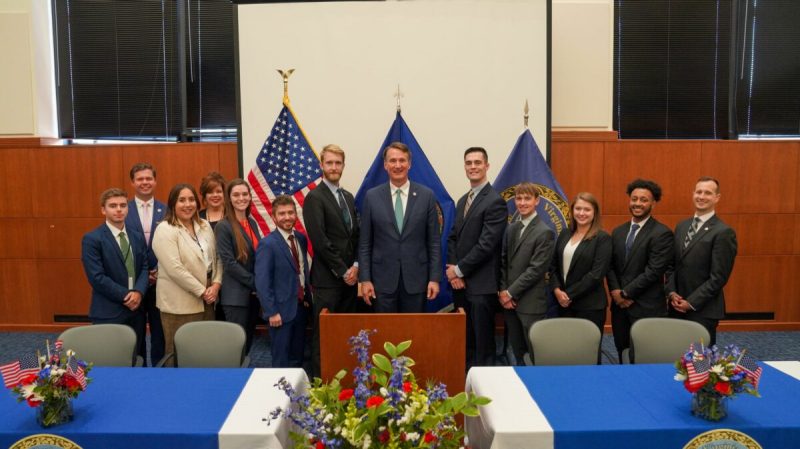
[[54, 412], [709, 405]]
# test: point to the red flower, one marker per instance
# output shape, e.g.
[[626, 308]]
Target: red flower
[[383, 437], [316, 444], [407, 387], [345, 394], [33, 402], [374, 401], [429, 437], [690, 388], [402, 436], [723, 388], [29, 379]]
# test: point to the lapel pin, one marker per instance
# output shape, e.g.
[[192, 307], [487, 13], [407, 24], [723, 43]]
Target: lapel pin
[[706, 228], [414, 194]]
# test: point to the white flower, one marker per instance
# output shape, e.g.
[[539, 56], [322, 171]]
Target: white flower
[[384, 391], [723, 377], [680, 377], [29, 394], [412, 436], [328, 418], [367, 442], [717, 369], [70, 353]]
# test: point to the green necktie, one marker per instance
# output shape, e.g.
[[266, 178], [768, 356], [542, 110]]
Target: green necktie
[[398, 209], [126, 254]]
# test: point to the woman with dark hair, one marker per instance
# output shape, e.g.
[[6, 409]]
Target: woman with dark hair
[[212, 194], [237, 239], [580, 263], [189, 271]]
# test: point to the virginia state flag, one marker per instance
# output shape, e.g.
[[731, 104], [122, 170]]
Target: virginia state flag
[[525, 163], [421, 172]]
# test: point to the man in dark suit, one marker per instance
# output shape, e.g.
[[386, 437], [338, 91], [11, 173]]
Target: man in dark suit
[[705, 250], [282, 284], [144, 214], [115, 261], [641, 255], [473, 259], [399, 246], [332, 226], [525, 260]]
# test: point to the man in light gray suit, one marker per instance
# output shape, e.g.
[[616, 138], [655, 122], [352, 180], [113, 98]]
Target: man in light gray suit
[[527, 253], [399, 250]]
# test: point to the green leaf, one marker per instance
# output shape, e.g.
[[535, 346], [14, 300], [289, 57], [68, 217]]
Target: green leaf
[[470, 411], [459, 401], [340, 375], [382, 362], [480, 400], [403, 346], [381, 378]]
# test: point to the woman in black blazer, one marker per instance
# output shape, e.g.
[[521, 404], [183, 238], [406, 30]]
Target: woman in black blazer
[[237, 239], [580, 262]]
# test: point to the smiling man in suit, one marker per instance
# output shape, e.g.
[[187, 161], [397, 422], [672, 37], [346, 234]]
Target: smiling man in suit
[[332, 226], [144, 214], [705, 250], [115, 261], [282, 284], [473, 259], [641, 254], [400, 261], [527, 252]]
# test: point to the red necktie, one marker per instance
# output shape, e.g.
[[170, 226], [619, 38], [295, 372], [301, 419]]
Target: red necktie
[[296, 256]]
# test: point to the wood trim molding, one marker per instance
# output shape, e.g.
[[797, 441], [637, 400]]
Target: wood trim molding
[[583, 135]]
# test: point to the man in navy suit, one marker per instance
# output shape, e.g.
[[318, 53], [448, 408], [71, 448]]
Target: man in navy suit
[[705, 250], [282, 284], [473, 256], [115, 261], [144, 214], [399, 251]]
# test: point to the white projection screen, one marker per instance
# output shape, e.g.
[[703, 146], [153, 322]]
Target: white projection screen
[[464, 68]]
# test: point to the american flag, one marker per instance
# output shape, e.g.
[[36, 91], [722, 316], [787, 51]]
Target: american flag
[[286, 165], [698, 371], [58, 345], [749, 365], [14, 372], [76, 371]]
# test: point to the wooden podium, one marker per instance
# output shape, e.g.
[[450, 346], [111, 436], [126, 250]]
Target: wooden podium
[[438, 343]]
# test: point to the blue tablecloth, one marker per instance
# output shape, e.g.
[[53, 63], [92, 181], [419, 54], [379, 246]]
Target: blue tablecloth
[[136, 408], [640, 406]]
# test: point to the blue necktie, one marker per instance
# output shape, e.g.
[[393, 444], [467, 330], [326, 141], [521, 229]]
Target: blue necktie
[[398, 209], [629, 240]]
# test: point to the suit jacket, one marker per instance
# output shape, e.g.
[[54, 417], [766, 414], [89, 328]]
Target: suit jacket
[[238, 280], [277, 279], [525, 263], [133, 222], [384, 252], [475, 239], [641, 276], [335, 244], [703, 268], [105, 268], [583, 281], [182, 269]]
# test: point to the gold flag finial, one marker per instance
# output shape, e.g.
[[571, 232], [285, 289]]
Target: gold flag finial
[[398, 95], [286, 74], [525, 117]]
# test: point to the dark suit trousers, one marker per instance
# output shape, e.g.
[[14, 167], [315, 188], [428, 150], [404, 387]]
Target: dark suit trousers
[[245, 316], [519, 325], [598, 317], [400, 301], [621, 322], [287, 342], [336, 300], [153, 316], [480, 310]]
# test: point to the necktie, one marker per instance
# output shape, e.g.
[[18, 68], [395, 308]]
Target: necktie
[[470, 197], [296, 257], [147, 221], [345, 213], [629, 240], [125, 246], [692, 231], [398, 209]]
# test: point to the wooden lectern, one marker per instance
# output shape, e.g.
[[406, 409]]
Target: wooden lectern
[[438, 343]]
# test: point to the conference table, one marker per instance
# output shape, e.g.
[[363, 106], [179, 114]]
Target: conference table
[[621, 406], [167, 408]]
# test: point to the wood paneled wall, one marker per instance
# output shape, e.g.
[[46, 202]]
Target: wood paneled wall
[[51, 196], [760, 186]]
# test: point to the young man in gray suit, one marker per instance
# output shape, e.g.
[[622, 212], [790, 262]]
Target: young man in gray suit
[[399, 255], [526, 256], [705, 250], [473, 259], [641, 254]]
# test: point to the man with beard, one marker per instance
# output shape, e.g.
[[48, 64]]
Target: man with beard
[[641, 254]]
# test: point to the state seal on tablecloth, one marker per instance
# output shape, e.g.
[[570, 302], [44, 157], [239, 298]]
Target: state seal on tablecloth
[[44, 441], [722, 439]]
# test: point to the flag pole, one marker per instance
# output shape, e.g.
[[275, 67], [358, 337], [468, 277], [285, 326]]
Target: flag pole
[[285, 74], [398, 95], [525, 117]]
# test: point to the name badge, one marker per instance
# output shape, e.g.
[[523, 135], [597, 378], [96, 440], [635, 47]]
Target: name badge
[[130, 282]]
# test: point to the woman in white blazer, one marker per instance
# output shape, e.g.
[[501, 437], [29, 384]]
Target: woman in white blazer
[[189, 271]]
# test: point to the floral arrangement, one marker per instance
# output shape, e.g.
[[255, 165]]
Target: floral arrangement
[[384, 408], [713, 375], [48, 382]]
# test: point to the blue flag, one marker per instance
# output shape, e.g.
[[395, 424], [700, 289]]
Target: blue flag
[[525, 163], [421, 172]]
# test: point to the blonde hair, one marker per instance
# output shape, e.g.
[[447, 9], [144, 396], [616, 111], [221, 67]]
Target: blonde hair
[[333, 149]]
